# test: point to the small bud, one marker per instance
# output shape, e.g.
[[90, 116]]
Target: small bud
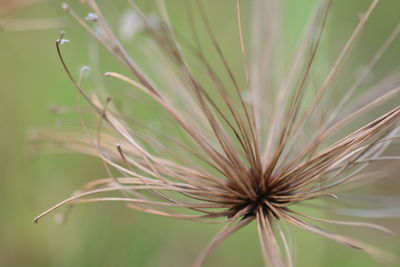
[[84, 71], [85, 68], [63, 41], [91, 17]]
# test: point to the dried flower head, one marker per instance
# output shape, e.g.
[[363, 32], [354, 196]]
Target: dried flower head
[[235, 146]]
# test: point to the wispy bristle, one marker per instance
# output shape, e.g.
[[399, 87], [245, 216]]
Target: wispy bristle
[[222, 158]]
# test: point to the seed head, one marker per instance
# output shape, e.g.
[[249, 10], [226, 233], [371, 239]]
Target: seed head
[[235, 147]]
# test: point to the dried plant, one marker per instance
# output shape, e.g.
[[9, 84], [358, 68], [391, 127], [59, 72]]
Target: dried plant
[[236, 147]]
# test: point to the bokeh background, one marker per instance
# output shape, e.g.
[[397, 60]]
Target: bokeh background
[[32, 83]]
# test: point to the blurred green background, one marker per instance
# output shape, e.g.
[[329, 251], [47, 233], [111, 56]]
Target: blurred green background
[[31, 80]]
